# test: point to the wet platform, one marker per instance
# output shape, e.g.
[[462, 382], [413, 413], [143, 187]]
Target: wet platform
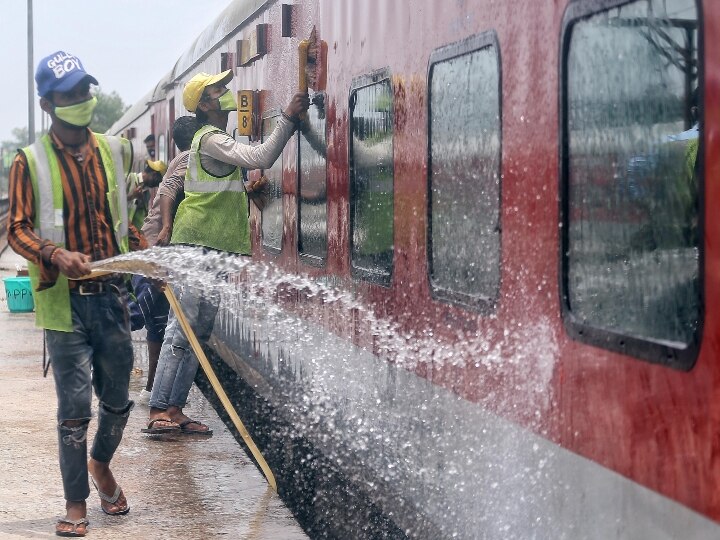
[[177, 489]]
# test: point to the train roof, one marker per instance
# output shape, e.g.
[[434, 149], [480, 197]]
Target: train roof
[[228, 22]]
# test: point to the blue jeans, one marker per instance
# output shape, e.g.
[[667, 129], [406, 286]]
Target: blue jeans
[[178, 364], [96, 354]]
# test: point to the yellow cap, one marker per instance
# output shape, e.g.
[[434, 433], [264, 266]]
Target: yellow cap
[[194, 87], [159, 166]]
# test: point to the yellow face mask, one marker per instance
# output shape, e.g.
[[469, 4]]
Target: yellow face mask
[[79, 115], [227, 102]]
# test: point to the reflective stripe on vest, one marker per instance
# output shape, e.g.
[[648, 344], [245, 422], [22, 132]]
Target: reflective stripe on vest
[[49, 222], [213, 187], [111, 147]]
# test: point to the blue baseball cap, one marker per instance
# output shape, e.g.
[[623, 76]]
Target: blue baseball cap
[[60, 72]]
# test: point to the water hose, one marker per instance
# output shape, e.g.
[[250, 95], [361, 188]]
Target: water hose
[[210, 373]]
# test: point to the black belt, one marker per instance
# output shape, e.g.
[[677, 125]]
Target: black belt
[[89, 287]]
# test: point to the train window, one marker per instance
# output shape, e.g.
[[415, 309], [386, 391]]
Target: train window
[[464, 172], [272, 213], [312, 180], [162, 148], [371, 177], [632, 177]]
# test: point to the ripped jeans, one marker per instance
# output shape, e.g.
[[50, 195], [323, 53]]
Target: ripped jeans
[[96, 354], [178, 364]]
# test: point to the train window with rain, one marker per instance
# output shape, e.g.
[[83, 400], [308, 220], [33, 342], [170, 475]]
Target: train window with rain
[[371, 177], [464, 151], [632, 178], [272, 212], [312, 186]]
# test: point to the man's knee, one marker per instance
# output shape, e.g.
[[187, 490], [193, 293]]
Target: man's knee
[[122, 411], [73, 432]]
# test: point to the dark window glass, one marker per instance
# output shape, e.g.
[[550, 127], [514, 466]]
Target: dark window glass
[[312, 215], [272, 213], [464, 247], [371, 202], [632, 260]]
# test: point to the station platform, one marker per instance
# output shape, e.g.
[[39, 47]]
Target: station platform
[[177, 489]]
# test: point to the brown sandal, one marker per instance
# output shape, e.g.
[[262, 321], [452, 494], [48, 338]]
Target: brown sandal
[[112, 500], [73, 533], [189, 431], [169, 427]]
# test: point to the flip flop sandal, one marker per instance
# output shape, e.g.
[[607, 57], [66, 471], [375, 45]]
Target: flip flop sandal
[[75, 524], [111, 500], [173, 427], [184, 428]]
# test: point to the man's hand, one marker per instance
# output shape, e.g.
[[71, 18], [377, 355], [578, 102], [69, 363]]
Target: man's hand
[[72, 263], [159, 284], [258, 192], [298, 104], [163, 237], [136, 193], [257, 185]]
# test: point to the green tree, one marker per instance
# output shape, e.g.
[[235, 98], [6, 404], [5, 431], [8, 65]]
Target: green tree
[[19, 139], [109, 109]]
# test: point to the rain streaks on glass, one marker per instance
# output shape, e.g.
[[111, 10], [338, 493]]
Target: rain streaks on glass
[[272, 213], [633, 135], [371, 203], [464, 250]]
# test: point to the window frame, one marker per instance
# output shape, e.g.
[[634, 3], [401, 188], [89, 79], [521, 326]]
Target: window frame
[[309, 258], [484, 306], [272, 113], [651, 350], [363, 81]]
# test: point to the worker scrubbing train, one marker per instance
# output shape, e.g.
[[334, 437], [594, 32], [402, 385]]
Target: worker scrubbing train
[[214, 216]]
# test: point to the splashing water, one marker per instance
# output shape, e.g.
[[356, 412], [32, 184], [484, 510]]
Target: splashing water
[[246, 287], [383, 425]]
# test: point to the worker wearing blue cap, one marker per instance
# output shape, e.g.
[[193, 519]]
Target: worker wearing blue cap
[[68, 207]]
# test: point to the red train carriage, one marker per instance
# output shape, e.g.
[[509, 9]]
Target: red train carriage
[[519, 199]]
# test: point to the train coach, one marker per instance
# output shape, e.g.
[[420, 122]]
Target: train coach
[[520, 200]]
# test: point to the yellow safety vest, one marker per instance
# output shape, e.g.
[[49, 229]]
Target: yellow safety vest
[[214, 212], [52, 306]]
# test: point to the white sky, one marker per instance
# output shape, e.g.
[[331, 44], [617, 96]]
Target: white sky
[[127, 45]]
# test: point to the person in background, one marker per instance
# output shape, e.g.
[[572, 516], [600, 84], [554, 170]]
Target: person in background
[[139, 186], [214, 216], [151, 308], [67, 209], [150, 145]]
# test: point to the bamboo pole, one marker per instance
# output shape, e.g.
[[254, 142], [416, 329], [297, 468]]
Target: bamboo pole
[[207, 368]]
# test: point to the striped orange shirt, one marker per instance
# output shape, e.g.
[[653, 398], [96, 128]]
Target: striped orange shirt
[[88, 223]]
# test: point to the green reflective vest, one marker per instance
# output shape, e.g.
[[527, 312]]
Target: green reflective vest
[[137, 209], [214, 212], [52, 306]]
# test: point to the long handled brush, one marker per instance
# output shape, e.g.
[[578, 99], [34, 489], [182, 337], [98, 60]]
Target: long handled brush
[[312, 66]]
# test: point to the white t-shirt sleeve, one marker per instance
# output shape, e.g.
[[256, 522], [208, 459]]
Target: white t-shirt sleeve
[[224, 148]]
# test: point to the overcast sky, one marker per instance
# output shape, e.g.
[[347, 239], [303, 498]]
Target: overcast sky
[[128, 45]]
